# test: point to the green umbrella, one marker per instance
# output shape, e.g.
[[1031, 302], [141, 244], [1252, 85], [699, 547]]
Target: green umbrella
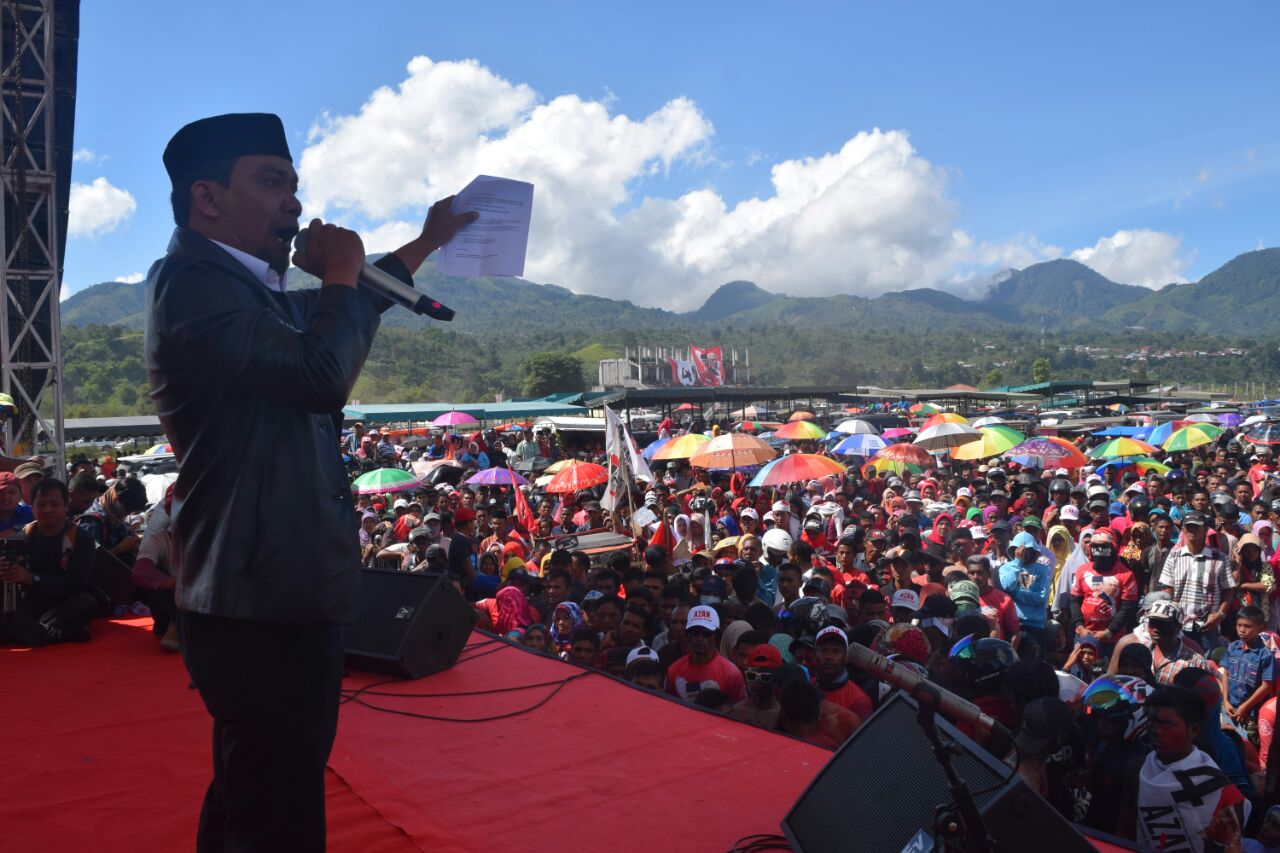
[[1122, 447], [385, 480], [1192, 436]]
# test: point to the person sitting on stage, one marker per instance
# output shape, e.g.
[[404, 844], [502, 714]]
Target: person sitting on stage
[[55, 604], [153, 575], [14, 515], [704, 667], [104, 523]]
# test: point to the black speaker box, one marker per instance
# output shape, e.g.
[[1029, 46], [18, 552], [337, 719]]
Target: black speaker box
[[880, 789], [411, 624]]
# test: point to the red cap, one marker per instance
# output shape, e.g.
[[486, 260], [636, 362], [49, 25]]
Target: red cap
[[765, 656], [463, 514]]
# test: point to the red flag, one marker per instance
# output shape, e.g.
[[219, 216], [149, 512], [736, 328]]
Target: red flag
[[524, 514], [664, 536]]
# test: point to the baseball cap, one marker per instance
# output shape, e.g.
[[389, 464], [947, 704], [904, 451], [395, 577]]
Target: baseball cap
[[913, 496], [1195, 517], [1032, 521], [463, 514], [431, 516], [1116, 508], [419, 533], [1070, 512], [641, 652], [907, 598], [965, 593], [400, 503], [964, 492], [764, 656], [831, 631], [26, 469], [703, 617], [781, 506], [1166, 610], [748, 512]]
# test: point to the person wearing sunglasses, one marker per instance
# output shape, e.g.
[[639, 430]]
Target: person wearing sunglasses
[[761, 707]]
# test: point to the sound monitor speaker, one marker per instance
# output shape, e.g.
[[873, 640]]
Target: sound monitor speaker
[[411, 624], [880, 789]]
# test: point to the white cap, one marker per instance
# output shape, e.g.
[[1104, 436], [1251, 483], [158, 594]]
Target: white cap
[[639, 652], [703, 617], [1062, 472], [749, 512], [781, 506], [834, 631], [400, 503], [907, 598], [964, 492], [1136, 487], [1070, 512], [978, 532]]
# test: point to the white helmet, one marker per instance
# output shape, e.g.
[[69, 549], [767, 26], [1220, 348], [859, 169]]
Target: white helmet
[[776, 539]]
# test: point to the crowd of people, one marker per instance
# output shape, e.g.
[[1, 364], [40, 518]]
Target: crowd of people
[[1123, 624]]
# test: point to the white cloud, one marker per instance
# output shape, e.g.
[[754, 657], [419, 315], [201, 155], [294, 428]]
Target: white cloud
[[64, 293], [1202, 177], [88, 156], [98, 208], [1141, 256], [131, 278], [869, 217]]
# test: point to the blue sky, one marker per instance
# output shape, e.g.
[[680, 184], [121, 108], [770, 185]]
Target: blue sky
[[1011, 132]]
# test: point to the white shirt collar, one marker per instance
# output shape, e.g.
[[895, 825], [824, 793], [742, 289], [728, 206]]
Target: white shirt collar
[[260, 269]]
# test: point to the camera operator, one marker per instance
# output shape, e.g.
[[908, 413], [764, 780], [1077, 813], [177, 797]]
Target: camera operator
[[55, 604]]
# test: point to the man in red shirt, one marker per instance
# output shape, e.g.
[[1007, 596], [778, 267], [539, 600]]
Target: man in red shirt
[[997, 605], [1260, 470], [704, 667], [831, 676], [1104, 593], [850, 575]]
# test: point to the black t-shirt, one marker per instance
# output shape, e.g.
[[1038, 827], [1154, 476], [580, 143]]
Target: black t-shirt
[[63, 568]]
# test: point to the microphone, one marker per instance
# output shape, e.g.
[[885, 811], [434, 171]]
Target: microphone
[[389, 287], [923, 690]]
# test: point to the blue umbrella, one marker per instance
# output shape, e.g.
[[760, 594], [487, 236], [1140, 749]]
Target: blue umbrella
[[1116, 431], [1160, 434], [648, 452], [861, 444]]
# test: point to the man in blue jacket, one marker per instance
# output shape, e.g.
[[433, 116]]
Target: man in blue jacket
[[249, 382], [1026, 577]]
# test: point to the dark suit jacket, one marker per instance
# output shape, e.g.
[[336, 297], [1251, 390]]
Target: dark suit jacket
[[250, 393]]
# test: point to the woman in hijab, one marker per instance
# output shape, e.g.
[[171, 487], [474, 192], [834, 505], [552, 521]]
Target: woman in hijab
[[514, 613], [729, 639], [566, 621], [942, 525]]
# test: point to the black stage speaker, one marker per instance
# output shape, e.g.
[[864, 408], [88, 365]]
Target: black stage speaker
[[412, 624], [880, 789]]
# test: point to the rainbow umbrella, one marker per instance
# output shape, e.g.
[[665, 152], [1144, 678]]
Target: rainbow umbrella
[[796, 468], [801, 416], [1143, 464], [944, 418], [1045, 453], [680, 447], [893, 465], [800, 431], [996, 439], [497, 477], [454, 418], [860, 444], [1264, 433], [732, 450], [557, 467], [648, 452], [383, 480], [575, 478], [908, 453], [1190, 437], [1122, 447], [853, 426], [923, 409], [945, 436]]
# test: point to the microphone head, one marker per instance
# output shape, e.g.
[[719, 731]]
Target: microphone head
[[300, 241]]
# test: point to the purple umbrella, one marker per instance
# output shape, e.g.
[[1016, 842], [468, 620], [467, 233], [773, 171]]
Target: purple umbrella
[[1041, 453], [497, 477], [1231, 419]]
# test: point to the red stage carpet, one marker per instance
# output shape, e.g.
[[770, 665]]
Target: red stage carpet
[[106, 749]]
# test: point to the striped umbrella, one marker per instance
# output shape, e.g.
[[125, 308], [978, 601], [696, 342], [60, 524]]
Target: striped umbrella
[[1143, 464], [1192, 436], [923, 409], [908, 453], [860, 444], [575, 478], [383, 480], [1045, 452], [1122, 447], [996, 439], [944, 418], [800, 431], [680, 447], [648, 452], [796, 468], [853, 426], [732, 450], [945, 436], [497, 477], [893, 465]]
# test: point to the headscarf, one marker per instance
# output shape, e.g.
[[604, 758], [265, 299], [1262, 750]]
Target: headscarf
[[675, 527], [575, 614], [513, 611], [731, 635]]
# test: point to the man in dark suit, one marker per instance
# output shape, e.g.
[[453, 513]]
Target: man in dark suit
[[249, 382]]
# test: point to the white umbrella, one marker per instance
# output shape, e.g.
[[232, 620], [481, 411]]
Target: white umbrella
[[854, 426], [1202, 418], [988, 421], [945, 436], [1253, 419]]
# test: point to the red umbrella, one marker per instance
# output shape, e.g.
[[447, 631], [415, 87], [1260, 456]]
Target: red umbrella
[[575, 478], [686, 407]]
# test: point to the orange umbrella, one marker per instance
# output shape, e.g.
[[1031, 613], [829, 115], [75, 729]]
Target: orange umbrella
[[796, 468], [575, 478], [943, 418], [732, 450], [902, 452], [801, 431], [801, 416], [680, 447]]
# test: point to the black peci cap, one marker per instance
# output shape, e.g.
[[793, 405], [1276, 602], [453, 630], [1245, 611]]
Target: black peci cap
[[223, 138]]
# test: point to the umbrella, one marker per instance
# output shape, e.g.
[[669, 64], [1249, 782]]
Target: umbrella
[[686, 407], [384, 480], [944, 436], [1122, 447], [1263, 433], [1144, 464], [909, 453], [732, 450], [860, 444], [557, 467], [800, 430], [896, 466], [923, 409], [996, 439], [801, 416], [897, 432], [796, 468], [680, 447], [1190, 436], [575, 478], [990, 420], [944, 418], [853, 426], [1160, 434], [1045, 452], [497, 477], [648, 452], [1201, 418], [1231, 419], [1253, 419], [454, 418]]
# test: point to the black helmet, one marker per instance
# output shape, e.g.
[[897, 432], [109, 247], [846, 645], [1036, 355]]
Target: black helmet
[[1139, 507], [1175, 475], [1060, 484], [986, 660], [806, 615]]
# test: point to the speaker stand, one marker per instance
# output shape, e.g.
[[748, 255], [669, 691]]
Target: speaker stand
[[957, 825]]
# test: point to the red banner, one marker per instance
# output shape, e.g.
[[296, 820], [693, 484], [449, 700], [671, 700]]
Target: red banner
[[710, 364]]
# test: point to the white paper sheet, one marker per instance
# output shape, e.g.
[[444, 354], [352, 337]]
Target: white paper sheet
[[494, 244]]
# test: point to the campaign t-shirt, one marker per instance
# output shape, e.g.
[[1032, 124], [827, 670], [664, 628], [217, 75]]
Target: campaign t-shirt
[[848, 695], [686, 679], [1102, 593], [999, 610]]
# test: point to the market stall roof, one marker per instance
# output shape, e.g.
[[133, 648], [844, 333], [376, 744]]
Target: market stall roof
[[146, 426], [398, 412], [571, 424], [953, 393], [640, 397]]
